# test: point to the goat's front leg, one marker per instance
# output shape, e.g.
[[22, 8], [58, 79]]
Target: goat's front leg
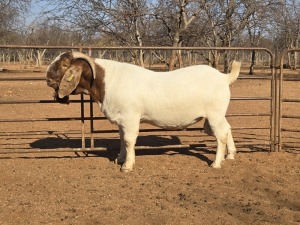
[[122, 155], [130, 133]]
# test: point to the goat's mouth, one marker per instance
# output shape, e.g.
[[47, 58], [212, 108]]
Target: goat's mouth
[[55, 86], [64, 100]]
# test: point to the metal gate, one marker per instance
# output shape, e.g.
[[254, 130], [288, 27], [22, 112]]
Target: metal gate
[[92, 137], [288, 119]]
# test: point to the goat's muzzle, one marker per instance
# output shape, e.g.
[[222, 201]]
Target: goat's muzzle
[[64, 100], [52, 83], [55, 85]]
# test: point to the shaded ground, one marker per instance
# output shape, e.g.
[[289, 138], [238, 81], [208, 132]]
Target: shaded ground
[[171, 186]]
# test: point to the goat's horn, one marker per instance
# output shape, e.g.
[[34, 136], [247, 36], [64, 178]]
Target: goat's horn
[[79, 55]]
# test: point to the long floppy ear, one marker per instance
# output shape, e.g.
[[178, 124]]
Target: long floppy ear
[[90, 60], [69, 81]]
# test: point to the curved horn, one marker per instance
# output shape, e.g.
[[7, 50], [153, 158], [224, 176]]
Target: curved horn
[[79, 55]]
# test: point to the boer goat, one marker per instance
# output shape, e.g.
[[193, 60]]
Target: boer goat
[[128, 95]]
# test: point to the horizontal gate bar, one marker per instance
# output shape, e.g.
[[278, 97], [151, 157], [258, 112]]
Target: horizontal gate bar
[[291, 130], [23, 78], [38, 133], [295, 145], [291, 79], [290, 116], [35, 101], [104, 118], [51, 119], [187, 129], [33, 133], [44, 79], [248, 114], [290, 100], [136, 48], [251, 98], [97, 149], [79, 101]]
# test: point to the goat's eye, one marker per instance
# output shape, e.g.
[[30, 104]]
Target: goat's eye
[[65, 65]]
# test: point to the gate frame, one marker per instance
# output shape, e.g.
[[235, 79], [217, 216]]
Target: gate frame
[[280, 100], [274, 83]]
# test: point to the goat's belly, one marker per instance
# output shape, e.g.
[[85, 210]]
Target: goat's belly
[[171, 123], [177, 115]]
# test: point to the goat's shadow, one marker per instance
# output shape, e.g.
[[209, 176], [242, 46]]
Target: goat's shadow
[[113, 146]]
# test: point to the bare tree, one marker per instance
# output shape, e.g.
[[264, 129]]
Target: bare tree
[[177, 17], [291, 29], [120, 22], [12, 19], [175, 23]]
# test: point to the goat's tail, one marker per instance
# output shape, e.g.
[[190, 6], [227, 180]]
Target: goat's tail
[[235, 71]]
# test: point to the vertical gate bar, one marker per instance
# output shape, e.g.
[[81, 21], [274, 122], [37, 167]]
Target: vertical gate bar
[[277, 111], [82, 117], [82, 122], [92, 122], [280, 83], [273, 106], [91, 112]]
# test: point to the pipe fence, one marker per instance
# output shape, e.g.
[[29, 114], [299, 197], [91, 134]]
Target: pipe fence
[[260, 129]]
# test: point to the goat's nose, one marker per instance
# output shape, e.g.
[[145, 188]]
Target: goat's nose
[[49, 81], [52, 83]]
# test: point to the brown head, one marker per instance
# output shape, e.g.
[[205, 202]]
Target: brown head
[[75, 73]]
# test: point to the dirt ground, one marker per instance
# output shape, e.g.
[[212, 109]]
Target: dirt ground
[[167, 186]]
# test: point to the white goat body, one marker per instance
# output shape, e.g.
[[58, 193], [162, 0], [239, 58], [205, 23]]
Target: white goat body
[[171, 100]]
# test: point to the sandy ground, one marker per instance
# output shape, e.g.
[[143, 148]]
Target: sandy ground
[[167, 186]]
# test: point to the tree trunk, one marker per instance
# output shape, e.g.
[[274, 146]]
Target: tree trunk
[[216, 60], [39, 59], [295, 60], [226, 62], [174, 54], [140, 43], [253, 62]]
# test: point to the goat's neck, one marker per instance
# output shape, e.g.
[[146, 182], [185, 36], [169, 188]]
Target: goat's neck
[[97, 90]]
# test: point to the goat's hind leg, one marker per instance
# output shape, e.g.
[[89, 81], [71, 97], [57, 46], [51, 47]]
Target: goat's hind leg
[[230, 146], [220, 128], [220, 155]]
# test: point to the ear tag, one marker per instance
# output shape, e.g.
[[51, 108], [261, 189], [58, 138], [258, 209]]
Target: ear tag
[[69, 78]]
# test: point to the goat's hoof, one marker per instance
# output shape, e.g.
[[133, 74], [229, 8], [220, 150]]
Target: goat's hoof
[[126, 169], [230, 156], [119, 161], [216, 165]]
